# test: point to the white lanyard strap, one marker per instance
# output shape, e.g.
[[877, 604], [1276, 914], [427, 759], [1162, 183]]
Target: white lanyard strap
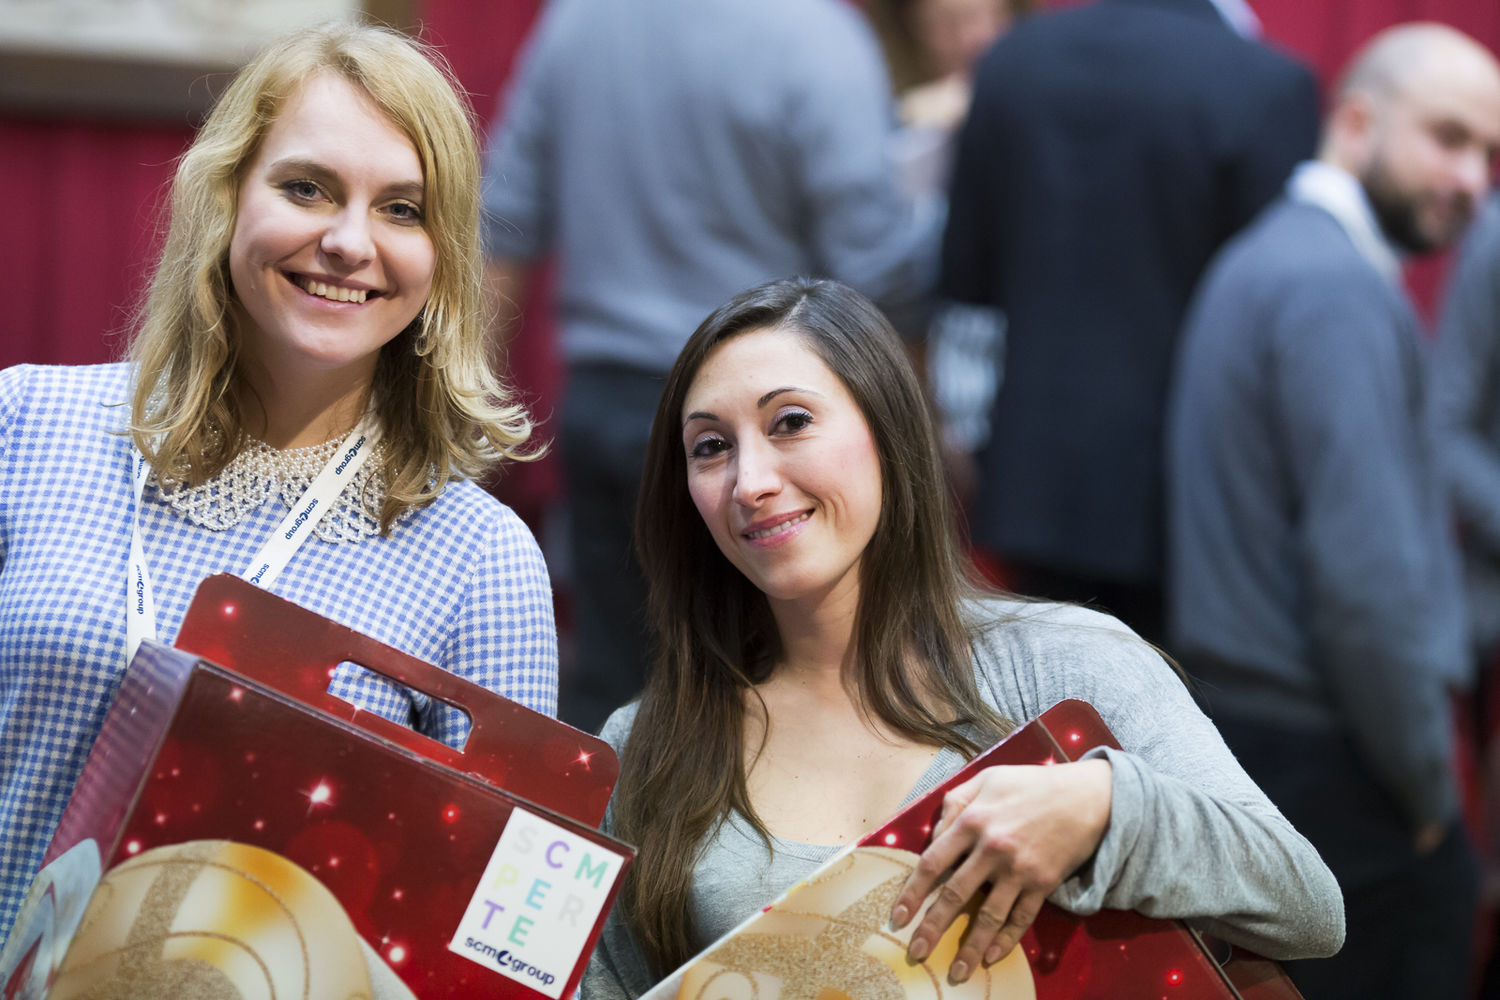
[[267, 564], [289, 535], [140, 607]]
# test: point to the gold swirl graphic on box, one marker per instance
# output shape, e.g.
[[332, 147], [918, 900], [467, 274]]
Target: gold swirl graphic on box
[[215, 920], [830, 938]]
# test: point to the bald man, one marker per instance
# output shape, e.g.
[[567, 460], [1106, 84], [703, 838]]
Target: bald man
[[1313, 582]]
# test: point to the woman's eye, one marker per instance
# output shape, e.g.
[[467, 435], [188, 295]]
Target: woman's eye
[[301, 190], [405, 211], [794, 421], [708, 447]]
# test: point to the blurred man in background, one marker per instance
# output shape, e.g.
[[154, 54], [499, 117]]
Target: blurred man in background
[[1109, 151], [1314, 581]]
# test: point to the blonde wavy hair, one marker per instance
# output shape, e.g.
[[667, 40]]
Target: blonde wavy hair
[[444, 411]]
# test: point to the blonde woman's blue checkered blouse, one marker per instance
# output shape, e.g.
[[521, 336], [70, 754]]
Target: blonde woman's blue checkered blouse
[[460, 583]]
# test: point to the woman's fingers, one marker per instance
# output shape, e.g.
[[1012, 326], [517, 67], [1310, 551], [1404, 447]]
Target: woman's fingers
[[997, 928], [941, 854], [1009, 835], [931, 866], [947, 903], [988, 861], [992, 917], [1023, 913]]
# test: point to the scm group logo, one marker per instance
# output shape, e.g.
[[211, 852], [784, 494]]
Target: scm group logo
[[502, 956], [536, 908]]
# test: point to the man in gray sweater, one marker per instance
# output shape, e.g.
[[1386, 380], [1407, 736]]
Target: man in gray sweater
[[1314, 588]]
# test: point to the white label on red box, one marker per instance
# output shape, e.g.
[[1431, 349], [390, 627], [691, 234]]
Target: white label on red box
[[536, 905]]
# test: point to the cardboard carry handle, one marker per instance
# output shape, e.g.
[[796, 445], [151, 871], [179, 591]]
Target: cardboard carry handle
[[294, 651]]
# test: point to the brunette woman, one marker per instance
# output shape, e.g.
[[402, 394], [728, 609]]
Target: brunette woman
[[824, 656]]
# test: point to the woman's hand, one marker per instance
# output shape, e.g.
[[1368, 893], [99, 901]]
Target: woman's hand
[[1022, 830]]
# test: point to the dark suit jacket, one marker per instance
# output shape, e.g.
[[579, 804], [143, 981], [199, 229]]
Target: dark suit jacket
[[1109, 151]]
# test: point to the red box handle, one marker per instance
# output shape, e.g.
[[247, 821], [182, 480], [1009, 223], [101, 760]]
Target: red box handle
[[290, 649]]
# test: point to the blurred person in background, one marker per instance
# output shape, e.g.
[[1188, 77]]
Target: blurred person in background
[[1314, 581], [933, 47], [672, 153], [1109, 151], [1466, 398]]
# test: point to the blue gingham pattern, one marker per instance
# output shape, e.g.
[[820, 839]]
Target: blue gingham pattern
[[460, 584]]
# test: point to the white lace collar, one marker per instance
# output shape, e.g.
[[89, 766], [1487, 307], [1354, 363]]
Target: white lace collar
[[259, 472]]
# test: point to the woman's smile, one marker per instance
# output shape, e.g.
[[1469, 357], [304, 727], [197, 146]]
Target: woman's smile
[[333, 292], [775, 530]]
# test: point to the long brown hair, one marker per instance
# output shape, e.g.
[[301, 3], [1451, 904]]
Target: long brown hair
[[444, 411], [908, 62], [683, 764]]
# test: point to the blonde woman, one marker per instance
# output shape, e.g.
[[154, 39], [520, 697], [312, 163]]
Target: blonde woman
[[312, 344]]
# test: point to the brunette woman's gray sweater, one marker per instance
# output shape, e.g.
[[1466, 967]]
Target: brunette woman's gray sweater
[[1190, 835]]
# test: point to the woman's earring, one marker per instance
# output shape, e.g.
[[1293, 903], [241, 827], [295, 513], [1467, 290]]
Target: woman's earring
[[421, 341]]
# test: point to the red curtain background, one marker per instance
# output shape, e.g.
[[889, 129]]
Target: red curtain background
[[84, 196]]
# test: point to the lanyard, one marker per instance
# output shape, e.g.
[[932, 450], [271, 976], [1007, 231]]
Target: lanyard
[[266, 565]]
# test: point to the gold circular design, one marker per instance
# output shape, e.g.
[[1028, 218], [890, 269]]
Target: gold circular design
[[215, 920], [830, 938]]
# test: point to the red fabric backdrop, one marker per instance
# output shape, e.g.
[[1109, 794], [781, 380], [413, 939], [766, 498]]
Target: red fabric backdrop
[[84, 196]]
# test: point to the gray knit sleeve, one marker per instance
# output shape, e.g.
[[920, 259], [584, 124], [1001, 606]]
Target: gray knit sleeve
[[1190, 835]]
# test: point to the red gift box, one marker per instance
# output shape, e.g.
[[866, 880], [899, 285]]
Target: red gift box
[[830, 935], [264, 836]]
